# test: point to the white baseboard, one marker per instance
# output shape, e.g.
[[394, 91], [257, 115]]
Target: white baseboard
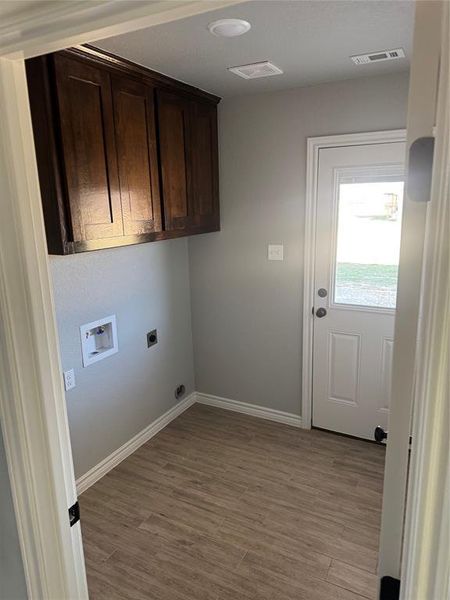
[[250, 409], [111, 461]]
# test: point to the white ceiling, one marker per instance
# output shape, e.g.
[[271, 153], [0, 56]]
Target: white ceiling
[[310, 40]]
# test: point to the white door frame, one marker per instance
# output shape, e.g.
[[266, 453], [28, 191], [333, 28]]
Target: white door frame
[[314, 145], [421, 556], [421, 118], [32, 404], [427, 528]]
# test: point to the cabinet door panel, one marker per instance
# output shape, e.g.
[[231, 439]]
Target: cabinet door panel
[[134, 118], [87, 131], [204, 168], [173, 116]]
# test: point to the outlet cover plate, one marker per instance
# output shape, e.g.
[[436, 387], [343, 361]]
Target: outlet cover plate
[[275, 252], [69, 379]]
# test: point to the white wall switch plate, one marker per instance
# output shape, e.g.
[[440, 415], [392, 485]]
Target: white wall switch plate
[[69, 380], [275, 252], [98, 340]]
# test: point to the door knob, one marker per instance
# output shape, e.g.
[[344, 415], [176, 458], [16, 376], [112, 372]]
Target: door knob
[[321, 312]]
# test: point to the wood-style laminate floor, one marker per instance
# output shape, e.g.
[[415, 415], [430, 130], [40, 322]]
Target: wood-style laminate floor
[[222, 506]]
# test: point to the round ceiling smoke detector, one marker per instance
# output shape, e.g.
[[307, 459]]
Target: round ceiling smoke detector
[[229, 27]]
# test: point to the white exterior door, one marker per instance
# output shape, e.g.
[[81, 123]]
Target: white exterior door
[[358, 229]]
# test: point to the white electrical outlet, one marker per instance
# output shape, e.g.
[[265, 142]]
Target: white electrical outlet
[[275, 252], [69, 380]]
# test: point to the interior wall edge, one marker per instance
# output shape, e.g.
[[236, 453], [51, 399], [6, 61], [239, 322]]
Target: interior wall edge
[[12, 575]]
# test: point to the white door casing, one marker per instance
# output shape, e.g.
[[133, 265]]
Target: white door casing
[[30, 288], [32, 404], [427, 528], [356, 268], [422, 101]]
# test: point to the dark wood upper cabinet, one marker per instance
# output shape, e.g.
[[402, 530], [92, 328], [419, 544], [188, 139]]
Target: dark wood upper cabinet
[[134, 118], [204, 170], [89, 151], [173, 124], [125, 155], [188, 154]]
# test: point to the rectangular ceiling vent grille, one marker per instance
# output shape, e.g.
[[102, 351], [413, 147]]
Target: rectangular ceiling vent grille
[[364, 59], [256, 70]]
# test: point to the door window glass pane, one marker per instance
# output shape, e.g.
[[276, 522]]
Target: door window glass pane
[[368, 243]]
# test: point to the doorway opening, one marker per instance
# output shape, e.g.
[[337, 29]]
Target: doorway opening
[[40, 331], [353, 223], [357, 233]]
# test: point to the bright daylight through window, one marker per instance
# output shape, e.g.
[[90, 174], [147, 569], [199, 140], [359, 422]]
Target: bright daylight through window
[[368, 243]]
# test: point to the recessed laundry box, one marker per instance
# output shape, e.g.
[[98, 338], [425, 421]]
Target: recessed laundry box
[[98, 340]]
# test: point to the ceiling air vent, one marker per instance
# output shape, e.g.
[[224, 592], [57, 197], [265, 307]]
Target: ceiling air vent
[[255, 70], [364, 59]]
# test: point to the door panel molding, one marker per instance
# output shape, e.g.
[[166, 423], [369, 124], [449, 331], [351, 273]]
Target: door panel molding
[[314, 145], [386, 371], [351, 342]]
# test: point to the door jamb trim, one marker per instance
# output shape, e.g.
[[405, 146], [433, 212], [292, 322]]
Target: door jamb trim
[[314, 145], [33, 416]]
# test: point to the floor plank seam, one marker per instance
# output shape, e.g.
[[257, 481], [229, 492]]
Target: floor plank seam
[[241, 559], [235, 512], [349, 589]]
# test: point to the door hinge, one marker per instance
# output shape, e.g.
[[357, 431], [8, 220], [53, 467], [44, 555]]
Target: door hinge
[[390, 588], [74, 514]]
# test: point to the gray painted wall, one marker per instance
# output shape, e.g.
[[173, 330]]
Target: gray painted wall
[[246, 310], [146, 287], [12, 578]]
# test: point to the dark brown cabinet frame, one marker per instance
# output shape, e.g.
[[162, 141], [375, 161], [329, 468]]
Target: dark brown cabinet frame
[[148, 147]]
